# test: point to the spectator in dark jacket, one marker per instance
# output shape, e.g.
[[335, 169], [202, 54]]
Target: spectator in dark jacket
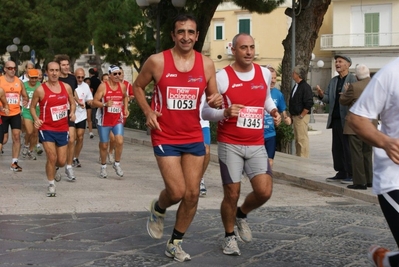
[[300, 104]]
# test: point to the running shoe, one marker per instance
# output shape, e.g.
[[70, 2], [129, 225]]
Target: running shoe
[[118, 170], [376, 255], [70, 174], [30, 155], [230, 246], [202, 188], [25, 151], [175, 251], [155, 222], [76, 163], [39, 149], [103, 173], [51, 190], [111, 158], [57, 176], [243, 229], [15, 167]]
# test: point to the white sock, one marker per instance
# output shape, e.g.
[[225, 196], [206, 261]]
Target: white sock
[[69, 166], [117, 163], [51, 182], [104, 166], [14, 160]]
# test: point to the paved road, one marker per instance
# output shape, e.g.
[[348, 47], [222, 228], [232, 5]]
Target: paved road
[[102, 222]]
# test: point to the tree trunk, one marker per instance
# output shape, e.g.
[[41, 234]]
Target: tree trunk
[[204, 16], [309, 18]]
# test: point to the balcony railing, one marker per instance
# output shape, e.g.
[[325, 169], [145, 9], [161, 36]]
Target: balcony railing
[[359, 40]]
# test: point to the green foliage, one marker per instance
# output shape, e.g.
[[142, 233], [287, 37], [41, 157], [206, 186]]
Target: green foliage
[[284, 137], [115, 25], [259, 6], [137, 119], [213, 127]]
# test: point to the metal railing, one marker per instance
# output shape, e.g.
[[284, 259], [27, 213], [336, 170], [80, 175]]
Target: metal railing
[[360, 40]]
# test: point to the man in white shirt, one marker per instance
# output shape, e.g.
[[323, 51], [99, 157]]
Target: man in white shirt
[[381, 97], [82, 95]]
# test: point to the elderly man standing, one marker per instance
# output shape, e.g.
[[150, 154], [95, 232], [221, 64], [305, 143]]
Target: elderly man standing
[[361, 152], [336, 118], [300, 104]]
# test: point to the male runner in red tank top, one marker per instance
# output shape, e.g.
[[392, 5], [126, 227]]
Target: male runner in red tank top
[[53, 97], [245, 88], [112, 103], [181, 75]]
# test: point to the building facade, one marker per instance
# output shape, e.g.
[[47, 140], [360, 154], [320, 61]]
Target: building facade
[[268, 30], [367, 31]]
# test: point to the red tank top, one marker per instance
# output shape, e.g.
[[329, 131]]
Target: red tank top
[[177, 96], [247, 128], [112, 115], [54, 109]]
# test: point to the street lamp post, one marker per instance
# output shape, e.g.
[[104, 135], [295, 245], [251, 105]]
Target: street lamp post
[[319, 65], [14, 49], [146, 3]]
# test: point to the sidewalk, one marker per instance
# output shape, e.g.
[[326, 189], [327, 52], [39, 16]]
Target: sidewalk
[[309, 173]]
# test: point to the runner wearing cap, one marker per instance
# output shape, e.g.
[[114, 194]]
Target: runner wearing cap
[[14, 89], [111, 100], [31, 133]]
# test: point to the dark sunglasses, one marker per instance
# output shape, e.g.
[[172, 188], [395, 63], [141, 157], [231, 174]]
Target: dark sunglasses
[[11, 68], [117, 73], [80, 77]]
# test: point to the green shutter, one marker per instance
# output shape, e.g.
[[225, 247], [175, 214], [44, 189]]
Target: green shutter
[[219, 32], [244, 26], [371, 29]]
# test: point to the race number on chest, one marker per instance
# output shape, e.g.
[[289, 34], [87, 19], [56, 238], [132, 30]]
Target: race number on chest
[[250, 118], [182, 98]]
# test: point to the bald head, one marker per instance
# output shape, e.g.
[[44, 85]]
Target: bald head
[[362, 72]]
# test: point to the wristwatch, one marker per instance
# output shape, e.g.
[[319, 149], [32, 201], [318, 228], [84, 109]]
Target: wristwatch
[[104, 104]]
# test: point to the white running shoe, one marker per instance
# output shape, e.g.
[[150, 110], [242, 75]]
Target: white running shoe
[[25, 151], [230, 246], [118, 170], [243, 230], [103, 173], [155, 222], [202, 188], [70, 174], [176, 252], [51, 190], [111, 158]]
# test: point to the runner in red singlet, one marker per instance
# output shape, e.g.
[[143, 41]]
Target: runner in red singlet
[[112, 103], [53, 97], [181, 75], [245, 88]]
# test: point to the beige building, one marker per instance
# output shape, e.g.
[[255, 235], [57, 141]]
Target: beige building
[[268, 30], [365, 30]]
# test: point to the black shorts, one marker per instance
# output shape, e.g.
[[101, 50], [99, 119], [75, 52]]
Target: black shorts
[[14, 121], [87, 106], [1, 134], [81, 125], [70, 123]]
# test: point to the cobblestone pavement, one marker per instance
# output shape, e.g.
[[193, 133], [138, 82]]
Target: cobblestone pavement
[[334, 235]]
